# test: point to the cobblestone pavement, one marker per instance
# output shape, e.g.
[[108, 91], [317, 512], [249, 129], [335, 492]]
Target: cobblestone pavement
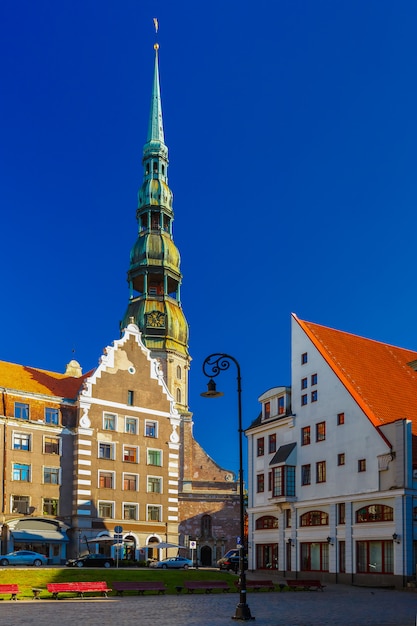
[[337, 606]]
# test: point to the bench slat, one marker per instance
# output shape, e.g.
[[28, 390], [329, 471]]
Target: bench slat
[[12, 588]]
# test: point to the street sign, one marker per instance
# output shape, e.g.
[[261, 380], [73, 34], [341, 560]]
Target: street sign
[[118, 529], [193, 545]]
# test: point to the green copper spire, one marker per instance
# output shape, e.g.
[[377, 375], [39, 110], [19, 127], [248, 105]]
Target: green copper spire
[[156, 127], [154, 274]]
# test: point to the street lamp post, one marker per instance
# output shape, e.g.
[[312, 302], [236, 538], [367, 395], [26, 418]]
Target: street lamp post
[[212, 366]]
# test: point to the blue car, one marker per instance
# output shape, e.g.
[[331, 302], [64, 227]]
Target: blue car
[[23, 557], [175, 562]]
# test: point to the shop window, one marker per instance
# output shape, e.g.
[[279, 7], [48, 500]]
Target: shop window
[[315, 557], [374, 557]]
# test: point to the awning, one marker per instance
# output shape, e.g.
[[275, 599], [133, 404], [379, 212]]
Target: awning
[[39, 535], [282, 454]]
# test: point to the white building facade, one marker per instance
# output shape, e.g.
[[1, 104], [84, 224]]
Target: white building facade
[[330, 480]]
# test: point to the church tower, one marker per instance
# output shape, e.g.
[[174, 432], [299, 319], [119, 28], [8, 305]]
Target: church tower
[[154, 274]]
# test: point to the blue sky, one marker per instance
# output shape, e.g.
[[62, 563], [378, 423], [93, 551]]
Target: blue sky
[[292, 136]]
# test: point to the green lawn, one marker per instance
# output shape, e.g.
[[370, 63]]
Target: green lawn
[[38, 577]]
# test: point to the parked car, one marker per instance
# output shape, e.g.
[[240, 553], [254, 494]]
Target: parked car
[[23, 557], [230, 561], [91, 560], [175, 562]]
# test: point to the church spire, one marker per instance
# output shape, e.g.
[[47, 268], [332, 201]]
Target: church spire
[[154, 274], [156, 127]]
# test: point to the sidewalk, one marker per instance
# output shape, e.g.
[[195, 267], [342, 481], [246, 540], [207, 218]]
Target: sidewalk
[[338, 605]]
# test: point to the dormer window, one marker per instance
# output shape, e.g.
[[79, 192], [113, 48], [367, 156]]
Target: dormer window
[[281, 405], [267, 410]]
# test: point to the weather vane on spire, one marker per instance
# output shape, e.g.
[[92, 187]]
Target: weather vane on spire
[[156, 24]]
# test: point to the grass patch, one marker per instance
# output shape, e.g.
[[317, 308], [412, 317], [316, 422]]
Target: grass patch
[[37, 577]]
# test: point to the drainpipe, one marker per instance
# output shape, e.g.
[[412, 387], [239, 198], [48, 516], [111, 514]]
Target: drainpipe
[[4, 470]]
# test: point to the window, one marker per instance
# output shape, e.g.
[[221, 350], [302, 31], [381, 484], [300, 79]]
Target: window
[[281, 405], [154, 457], [304, 358], [131, 425], [21, 441], [206, 526], [154, 484], [21, 410], [109, 421], [178, 395], [130, 511], [314, 395], [313, 379], [341, 513], [321, 431], [130, 482], [51, 445], [283, 481], [314, 557], [50, 506], [267, 522], [304, 399], [362, 465], [340, 419], [20, 504], [270, 480], [375, 513], [341, 458], [130, 454], [306, 474], [105, 509], [106, 480], [260, 483], [179, 373], [374, 557], [267, 410], [288, 518], [105, 450], [260, 446], [321, 472], [51, 475], [21, 471], [130, 397], [272, 443], [151, 429], [304, 383], [51, 416], [153, 513], [305, 435], [314, 518]]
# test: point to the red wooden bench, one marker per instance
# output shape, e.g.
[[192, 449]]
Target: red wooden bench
[[207, 585], [12, 589], [80, 588], [306, 585], [258, 584], [138, 585]]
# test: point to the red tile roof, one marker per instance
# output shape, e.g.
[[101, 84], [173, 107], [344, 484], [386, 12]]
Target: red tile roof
[[376, 374], [34, 380]]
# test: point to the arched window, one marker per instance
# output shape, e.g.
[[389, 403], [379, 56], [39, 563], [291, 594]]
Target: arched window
[[375, 513], [206, 526], [178, 395], [179, 373], [266, 522], [314, 518]]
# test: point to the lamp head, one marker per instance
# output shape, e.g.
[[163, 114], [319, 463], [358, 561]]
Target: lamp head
[[211, 390]]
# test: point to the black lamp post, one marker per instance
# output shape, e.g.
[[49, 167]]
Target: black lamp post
[[212, 366]]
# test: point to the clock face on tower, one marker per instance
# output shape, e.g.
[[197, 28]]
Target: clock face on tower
[[155, 319]]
